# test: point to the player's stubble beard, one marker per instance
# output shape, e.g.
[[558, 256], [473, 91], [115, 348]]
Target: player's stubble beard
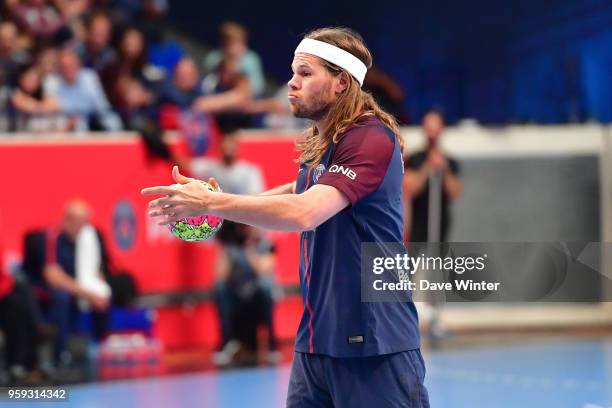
[[317, 109]]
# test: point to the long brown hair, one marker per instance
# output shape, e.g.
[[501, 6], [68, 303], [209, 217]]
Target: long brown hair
[[351, 104]]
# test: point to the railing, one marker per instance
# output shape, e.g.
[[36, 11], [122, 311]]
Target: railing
[[42, 123]]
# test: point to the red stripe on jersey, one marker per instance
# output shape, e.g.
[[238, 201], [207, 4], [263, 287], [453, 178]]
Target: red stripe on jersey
[[308, 178], [308, 308]]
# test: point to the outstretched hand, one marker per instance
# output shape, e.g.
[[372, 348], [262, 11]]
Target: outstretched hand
[[187, 198]]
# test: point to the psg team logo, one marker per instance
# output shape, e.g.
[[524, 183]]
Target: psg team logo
[[124, 225], [317, 173]]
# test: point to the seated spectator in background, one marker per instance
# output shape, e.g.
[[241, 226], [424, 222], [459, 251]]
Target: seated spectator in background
[[178, 93], [18, 325], [226, 91], [23, 326], [73, 9], [130, 66], [75, 12], [33, 111], [277, 111], [39, 19], [96, 52], [243, 293], [46, 61], [80, 95], [136, 103], [244, 282], [11, 55], [234, 46], [147, 12], [184, 87], [70, 264], [163, 54], [387, 92], [235, 176], [132, 85]]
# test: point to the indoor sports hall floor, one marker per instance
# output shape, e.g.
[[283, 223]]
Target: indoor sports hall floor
[[552, 373]]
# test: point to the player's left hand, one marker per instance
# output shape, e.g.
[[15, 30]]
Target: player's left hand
[[187, 198]]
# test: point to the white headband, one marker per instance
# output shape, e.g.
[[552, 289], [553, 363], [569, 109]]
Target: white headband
[[335, 55]]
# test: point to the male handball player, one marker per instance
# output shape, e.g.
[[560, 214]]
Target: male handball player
[[348, 353]]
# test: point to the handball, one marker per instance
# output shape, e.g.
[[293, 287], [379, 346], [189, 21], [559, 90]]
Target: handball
[[196, 229]]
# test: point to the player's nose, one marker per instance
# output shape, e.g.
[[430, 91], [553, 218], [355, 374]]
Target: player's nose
[[293, 83]]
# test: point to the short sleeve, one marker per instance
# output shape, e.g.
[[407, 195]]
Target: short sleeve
[[360, 161]]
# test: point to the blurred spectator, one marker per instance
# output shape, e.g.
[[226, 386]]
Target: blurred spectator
[[244, 294], [131, 84], [125, 11], [74, 12], [233, 175], [139, 114], [73, 9], [234, 46], [39, 19], [277, 110], [163, 54], [149, 16], [184, 87], [33, 111], [155, 9], [80, 95], [23, 326], [135, 104], [227, 91], [11, 55], [70, 263], [131, 65], [387, 92], [46, 60], [96, 52], [18, 327], [244, 282], [178, 93], [420, 168]]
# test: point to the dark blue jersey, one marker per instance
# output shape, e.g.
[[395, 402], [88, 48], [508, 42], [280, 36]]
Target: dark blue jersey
[[366, 166]]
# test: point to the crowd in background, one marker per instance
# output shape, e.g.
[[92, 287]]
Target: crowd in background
[[83, 65], [79, 65], [74, 66]]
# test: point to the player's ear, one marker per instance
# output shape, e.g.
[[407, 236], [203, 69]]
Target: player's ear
[[342, 82]]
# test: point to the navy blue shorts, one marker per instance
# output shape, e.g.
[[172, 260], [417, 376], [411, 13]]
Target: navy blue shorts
[[390, 380]]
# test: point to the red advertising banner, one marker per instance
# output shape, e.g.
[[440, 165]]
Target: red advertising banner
[[39, 176]]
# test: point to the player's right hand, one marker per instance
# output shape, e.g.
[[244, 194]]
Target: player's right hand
[[188, 198]]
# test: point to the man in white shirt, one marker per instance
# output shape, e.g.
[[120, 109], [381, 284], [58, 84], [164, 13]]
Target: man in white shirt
[[233, 175], [237, 177]]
